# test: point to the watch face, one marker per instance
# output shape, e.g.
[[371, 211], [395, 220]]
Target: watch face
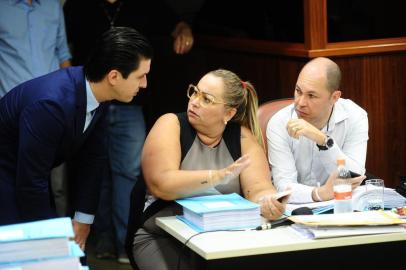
[[330, 143]]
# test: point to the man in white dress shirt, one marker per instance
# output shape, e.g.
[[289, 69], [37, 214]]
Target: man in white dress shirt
[[306, 138]]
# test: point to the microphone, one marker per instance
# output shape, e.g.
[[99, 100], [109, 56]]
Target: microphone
[[265, 226], [302, 211]]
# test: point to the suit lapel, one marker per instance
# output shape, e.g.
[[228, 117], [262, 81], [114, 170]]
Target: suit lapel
[[97, 115], [80, 106]]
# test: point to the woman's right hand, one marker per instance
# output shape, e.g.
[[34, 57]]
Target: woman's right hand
[[225, 175]]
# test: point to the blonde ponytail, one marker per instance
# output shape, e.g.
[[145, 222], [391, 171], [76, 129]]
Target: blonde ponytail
[[242, 96]]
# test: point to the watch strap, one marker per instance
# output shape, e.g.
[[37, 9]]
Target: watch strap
[[326, 145]]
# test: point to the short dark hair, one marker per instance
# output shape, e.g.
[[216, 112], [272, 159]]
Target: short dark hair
[[120, 48]]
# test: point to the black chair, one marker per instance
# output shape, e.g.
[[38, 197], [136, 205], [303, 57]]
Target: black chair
[[135, 218]]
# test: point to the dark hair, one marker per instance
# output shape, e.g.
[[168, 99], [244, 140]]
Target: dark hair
[[242, 96], [120, 48]]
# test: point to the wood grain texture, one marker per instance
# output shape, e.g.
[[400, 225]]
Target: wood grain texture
[[315, 24]]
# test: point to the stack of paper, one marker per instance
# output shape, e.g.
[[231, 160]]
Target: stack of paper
[[349, 219], [391, 198], [39, 245], [220, 212], [346, 224], [320, 232]]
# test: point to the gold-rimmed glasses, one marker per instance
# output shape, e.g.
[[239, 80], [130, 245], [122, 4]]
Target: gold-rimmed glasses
[[205, 99]]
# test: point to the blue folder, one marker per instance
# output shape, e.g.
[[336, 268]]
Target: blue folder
[[217, 203], [50, 228]]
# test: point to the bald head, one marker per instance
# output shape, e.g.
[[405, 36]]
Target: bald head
[[324, 69]]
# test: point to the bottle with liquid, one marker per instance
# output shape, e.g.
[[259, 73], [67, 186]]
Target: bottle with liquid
[[342, 189]]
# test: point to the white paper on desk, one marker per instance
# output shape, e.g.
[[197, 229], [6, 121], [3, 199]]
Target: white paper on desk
[[349, 219], [391, 198], [339, 231]]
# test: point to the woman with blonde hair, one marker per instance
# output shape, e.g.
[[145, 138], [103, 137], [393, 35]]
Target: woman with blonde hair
[[213, 148]]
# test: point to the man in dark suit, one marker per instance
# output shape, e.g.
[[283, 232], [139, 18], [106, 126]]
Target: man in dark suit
[[60, 117]]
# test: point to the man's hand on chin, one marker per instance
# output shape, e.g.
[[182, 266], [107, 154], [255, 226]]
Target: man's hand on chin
[[300, 127]]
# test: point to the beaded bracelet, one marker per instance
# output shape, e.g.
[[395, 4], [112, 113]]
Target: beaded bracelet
[[316, 192]]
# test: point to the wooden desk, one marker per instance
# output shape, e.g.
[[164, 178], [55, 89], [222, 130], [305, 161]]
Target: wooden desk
[[281, 246]]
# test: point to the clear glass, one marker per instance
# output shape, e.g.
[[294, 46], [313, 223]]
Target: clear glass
[[375, 192], [206, 99]]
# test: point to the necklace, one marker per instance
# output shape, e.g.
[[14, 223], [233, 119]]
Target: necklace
[[328, 120], [113, 16]]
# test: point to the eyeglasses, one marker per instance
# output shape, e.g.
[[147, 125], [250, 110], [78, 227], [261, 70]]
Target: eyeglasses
[[205, 98]]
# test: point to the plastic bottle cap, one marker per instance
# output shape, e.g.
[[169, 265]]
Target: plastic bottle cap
[[340, 161]]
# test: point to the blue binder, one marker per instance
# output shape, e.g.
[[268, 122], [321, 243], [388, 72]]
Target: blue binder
[[220, 212], [50, 228], [217, 203]]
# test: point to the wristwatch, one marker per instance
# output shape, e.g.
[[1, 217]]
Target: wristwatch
[[328, 143]]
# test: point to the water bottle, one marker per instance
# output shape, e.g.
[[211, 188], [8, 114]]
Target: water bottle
[[342, 189]]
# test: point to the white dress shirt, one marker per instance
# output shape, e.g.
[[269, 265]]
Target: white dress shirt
[[91, 106], [300, 165]]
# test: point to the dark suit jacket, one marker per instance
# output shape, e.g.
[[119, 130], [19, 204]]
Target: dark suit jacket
[[41, 126]]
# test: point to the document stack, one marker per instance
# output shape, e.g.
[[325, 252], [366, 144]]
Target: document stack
[[391, 198], [220, 212], [39, 245], [347, 224]]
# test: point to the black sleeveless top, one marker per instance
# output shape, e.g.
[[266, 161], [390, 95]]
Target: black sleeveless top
[[232, 139]]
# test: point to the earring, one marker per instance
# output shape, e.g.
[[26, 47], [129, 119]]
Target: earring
[[225, 122]]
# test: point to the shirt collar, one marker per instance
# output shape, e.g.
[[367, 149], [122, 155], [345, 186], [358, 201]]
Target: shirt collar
[[339, 114], [91, 101]]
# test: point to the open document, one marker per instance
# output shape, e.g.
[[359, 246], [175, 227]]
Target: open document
[[347, 224], [349, 219], [321, 232]]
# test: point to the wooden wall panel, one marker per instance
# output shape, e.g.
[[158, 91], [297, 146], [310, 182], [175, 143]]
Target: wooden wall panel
[[375, 82], [378, 84]]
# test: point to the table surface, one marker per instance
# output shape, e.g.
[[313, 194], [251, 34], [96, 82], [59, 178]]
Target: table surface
[[228, 244]]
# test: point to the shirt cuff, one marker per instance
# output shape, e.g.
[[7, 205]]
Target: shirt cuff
[[84, 218], [301, 193]]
